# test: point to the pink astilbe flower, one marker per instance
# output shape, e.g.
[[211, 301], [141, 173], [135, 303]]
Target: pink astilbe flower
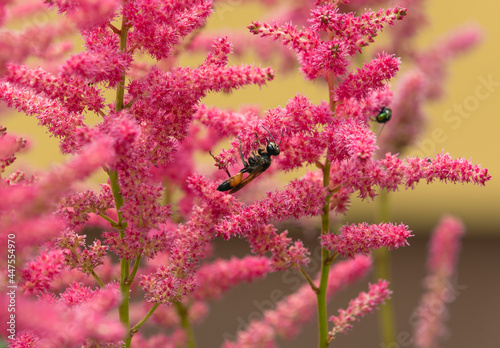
[[351, 139], [86, 13], [300, 198], [57, 182], [355, 31], [160, 25], [187, 246], [9, 146], [99, 65], [73, 94], [443, 254], [39, 41], [170, 98], [302, 141], [434, 62], [25, 8], [36, 230], [365, 109], [225, 122], [422, 84], [362, 238], [319, 57], [405, 129], [216, 278], [370, 77], [350, 176], [403, 34], [61, 122], [365, 303], [39, 273], [72, 320], [85, 203], [296, 309], [85, 260], [25, 339]]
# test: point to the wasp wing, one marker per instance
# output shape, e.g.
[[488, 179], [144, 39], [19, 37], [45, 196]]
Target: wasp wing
[[251, 176]]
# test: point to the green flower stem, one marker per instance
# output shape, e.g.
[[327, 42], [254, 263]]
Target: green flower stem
[[325, 265], [97, 279], [382, 262], [182, 311], [131, 277], [143, 320], [117, 195], [121, 225], [124, 301], [110, 220], [120, 90], [309, 280]]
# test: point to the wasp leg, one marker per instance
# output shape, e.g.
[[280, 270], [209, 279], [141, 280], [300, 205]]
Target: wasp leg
[[225, 168], [245, 164], [258, 141]]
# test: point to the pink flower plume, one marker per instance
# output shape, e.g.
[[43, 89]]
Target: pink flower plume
[[39, 273], [362, 238], [431, 314], [214, 279], [370, 77], [86, 13], [365, 303], [291, 313]]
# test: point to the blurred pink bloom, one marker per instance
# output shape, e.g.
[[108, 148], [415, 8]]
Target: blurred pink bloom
[[365, 303], [296, 309], [444, 248]]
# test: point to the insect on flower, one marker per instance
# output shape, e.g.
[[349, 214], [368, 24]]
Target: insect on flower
[[256, 165], [383, 116]]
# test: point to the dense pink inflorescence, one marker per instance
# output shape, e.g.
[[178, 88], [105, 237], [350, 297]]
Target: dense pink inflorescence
[[216, 278], [362, 238], [293, 311], [365, 303]]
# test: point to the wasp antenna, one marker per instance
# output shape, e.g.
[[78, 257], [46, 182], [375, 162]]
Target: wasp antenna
[[281, 138], [270, 134]]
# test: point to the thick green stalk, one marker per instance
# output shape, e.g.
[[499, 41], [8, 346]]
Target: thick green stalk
[[115, 187], [120, 90], [182, 311], [123, 309], [325, 228], [382, 262], [124, 301], [325, 265]]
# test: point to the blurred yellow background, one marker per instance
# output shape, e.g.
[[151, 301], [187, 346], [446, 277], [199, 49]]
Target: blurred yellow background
[[477, 136]]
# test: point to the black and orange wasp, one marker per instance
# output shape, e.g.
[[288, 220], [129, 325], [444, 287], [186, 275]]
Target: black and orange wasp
[[256, 165]]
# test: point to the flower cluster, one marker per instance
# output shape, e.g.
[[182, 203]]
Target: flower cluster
[[365, 303], [360, 239], [443, 253], [293, 311]]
